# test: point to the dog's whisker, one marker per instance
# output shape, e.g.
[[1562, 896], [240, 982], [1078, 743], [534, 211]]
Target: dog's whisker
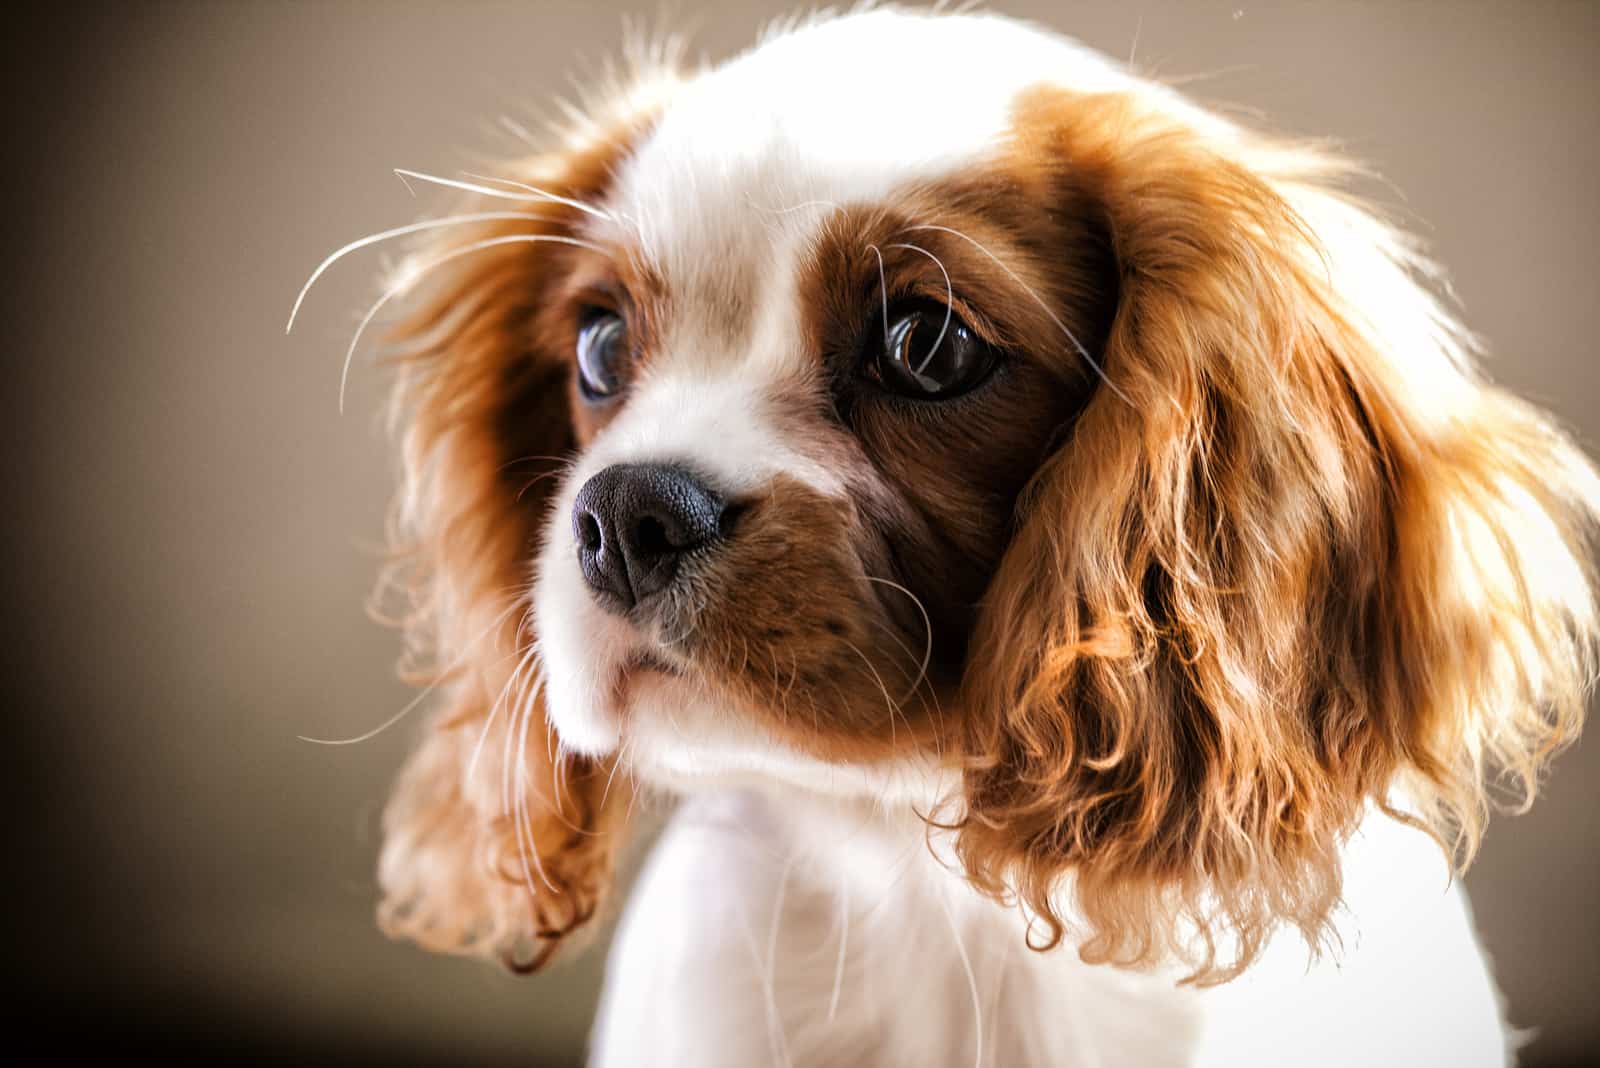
[[791, 209], [416, 274], [927, 627], [617, 762], [949, 312], [399, 231], [1044, 305], [585, 206], [525, 192], [894, 708], [529, 707], [844, 943], [459, 660], [883, 292], [770, 966], [933, 696], [532, 482], [972, 979], [527, 658], [565, 463]]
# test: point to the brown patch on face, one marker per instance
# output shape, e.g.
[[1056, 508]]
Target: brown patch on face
[[934, 485], [784, 619]]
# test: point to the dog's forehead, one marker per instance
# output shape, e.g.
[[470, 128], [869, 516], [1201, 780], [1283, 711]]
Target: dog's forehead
[[747, 160]]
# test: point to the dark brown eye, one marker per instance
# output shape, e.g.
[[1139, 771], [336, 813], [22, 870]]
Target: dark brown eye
[[602, 347], [931, 354]]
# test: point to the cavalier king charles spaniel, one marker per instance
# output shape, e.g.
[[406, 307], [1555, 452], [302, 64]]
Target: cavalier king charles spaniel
[[1051, 539]]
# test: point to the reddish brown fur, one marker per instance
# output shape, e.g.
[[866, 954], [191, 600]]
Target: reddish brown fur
[[1243, 620], [485, 392], [1186, 626]]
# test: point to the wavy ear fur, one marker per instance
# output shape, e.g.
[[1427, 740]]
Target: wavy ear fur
[[497, 842], [1302, 560]]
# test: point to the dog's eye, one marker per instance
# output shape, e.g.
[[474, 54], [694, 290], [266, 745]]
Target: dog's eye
[[602, 346], [931, 354]]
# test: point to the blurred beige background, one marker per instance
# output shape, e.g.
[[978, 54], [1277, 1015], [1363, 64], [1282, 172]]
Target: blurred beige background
[[191, 520]]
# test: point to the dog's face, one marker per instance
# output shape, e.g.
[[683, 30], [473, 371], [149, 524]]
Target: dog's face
[[828, 331], [923, 408]]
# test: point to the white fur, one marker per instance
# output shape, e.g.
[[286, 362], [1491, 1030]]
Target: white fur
[[730, 951], [793, 914]]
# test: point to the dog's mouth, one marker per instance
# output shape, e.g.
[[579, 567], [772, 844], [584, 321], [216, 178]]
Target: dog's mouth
[[640, 666], [645, 661]]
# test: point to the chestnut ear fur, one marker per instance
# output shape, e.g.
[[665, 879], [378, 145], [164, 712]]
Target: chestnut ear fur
[[1302, 560], [497, 842]]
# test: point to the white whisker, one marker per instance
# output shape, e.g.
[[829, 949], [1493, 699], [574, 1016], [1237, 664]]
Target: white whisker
[[380, 728], [522, 816], [398, 231], [616, 762], [545, 195], [927, 626], [996, 991], [889, 701], [1043, 304], [411, 705], [949, 297], [769, 977], [883, 291], [844, 942], [972, 979], [803, 205], [527, 192], [494, 710], [439, 261]]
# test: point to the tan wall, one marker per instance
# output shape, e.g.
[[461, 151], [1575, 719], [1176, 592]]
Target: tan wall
[[187, 537]]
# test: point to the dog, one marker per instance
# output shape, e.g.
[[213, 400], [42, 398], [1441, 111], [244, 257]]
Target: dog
[[1052, 539]]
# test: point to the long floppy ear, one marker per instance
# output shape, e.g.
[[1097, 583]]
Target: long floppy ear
[[497, 842], [1301, 560]]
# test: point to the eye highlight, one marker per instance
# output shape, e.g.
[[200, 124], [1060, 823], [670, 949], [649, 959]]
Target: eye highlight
[[929, 353], [602, 347]]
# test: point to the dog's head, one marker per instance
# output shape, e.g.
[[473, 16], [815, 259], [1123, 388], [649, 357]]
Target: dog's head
[[923, 407]]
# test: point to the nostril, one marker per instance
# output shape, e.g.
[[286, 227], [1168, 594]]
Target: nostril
[[729, 519], [651, 538], [589, 536], [635, 524]]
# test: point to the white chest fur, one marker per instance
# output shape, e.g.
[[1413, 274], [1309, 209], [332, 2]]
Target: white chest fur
[[775, 929]]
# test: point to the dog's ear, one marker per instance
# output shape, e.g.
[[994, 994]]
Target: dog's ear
[[496, 841], [1297, 559]]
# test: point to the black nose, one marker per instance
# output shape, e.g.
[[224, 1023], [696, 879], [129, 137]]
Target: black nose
[[634, 524]]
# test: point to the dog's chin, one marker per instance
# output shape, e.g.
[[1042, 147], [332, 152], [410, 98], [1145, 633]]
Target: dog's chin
[[608, 693], [592, 700], [642, 674], [605, 686], [676, 731]]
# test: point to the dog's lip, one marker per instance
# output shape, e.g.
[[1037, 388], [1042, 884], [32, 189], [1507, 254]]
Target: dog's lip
[[634, 669], [639, 664], [641, 660]]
